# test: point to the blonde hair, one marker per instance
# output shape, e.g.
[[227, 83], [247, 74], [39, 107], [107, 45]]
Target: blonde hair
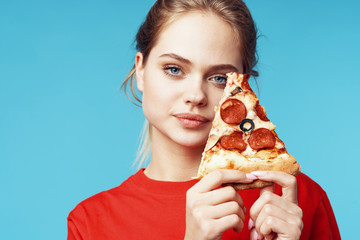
[[144, 149], [162, 13]]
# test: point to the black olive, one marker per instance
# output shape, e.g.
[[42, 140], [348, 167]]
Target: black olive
[[247, 121], [235, 91]]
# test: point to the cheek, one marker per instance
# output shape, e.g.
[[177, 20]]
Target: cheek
[[216, 95], [157, 92], [158, 96]]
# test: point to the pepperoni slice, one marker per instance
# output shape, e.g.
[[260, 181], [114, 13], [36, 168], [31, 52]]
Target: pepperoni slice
[[233, 141], [262, 138], [260, 112], [245, 84], [233, 111]]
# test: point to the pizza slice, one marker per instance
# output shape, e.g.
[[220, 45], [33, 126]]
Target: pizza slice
[[242, 137]]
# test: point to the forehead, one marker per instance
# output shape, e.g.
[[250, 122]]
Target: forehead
[[201, 37]]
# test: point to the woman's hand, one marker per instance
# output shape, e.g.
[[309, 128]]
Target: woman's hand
[[211, 210], [275, 217]]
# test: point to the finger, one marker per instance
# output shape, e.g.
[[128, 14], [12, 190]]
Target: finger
[[281, 228], [253, 234], [276, 212], [218, 177], [229, 222], [226, 209], [224, 194], [270, 188], [285, 180], [269, 198]]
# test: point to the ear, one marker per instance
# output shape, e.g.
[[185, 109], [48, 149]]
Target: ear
[[139, 68]]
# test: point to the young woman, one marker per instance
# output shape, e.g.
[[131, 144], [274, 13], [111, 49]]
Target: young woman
[[186, 47]]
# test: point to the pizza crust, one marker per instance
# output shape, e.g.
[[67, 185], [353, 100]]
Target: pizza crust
[[244, 186], [225, 159]]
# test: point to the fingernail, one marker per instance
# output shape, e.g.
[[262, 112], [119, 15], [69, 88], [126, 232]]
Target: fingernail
[[251, 176], [255, 235], [251, 224], [258, 173], [245, 211]]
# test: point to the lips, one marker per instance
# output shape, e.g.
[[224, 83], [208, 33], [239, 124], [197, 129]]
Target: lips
[[191, 120]]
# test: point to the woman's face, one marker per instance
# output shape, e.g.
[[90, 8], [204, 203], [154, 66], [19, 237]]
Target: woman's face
[[184, 76]]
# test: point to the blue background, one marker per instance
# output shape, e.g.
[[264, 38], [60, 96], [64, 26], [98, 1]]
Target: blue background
[[67, 132]]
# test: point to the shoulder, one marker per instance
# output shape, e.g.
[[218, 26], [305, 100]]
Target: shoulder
[[93, 203], [307, 185], [94, 216], [100, 201], [307, 189]]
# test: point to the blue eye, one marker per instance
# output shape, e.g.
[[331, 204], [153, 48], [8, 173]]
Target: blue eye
[[219, 79], [174, 70]]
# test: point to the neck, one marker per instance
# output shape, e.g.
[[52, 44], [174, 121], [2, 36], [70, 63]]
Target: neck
[[171, 161]]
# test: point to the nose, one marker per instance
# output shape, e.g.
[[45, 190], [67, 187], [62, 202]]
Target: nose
[[195, 92]]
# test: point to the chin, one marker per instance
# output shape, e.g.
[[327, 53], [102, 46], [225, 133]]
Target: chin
[[202, 145], [190, 142]]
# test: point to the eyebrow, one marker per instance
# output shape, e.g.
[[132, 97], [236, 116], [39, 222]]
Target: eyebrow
[[227, 67], [177, 57], [219, 67]]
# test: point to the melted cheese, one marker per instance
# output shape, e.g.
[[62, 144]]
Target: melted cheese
[[279, 145], [249, 151]]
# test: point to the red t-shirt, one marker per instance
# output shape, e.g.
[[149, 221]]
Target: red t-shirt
[[142, 208]]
